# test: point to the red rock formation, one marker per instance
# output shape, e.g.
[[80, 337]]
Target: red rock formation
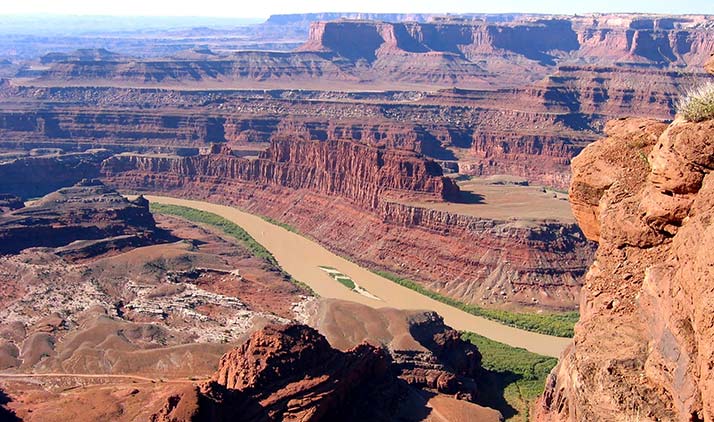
[[354, 212], [87, 211], [514, 153], [291, 373], [364, 175], [600, 166], [425, 352], [451, 364], [643, 348], [608, 38], [295, 374], [273, 354]]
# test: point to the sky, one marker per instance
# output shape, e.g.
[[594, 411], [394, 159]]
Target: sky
[[264, 8]]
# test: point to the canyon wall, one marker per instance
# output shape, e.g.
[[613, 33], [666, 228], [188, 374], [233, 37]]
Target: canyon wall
[[643, 348], [359, 173], [532, 91], [468, 131], [30, 177], [540, 89], [610, 39], [351, 198]]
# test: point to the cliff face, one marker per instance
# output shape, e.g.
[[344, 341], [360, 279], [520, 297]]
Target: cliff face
[[481, 260], [354, 203], [468, 39], [359, 173], [643, 348], [470, 126], [512, 153], [646, 40], [610, 92], [608, 38]]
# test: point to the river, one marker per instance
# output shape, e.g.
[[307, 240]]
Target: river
[[302, 258]]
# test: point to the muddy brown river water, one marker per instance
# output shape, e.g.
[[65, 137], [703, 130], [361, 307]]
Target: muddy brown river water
[[302, 258]]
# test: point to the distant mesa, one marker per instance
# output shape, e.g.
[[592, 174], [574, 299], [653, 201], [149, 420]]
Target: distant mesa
[[88, 211], [81, 55], [474, 51], [200, 53]]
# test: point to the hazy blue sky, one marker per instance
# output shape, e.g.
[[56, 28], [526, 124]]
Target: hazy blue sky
[[263, 8]]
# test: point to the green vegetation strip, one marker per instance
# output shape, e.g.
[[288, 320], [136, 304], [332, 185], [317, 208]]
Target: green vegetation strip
[[231, 229], [517, 376], [560, 324], [555, 324], [340, 278], [275, 222]]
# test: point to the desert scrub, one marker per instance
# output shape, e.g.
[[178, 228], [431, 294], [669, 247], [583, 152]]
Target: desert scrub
[[515, 377], [231, 229], [697, 104], [554, 324]]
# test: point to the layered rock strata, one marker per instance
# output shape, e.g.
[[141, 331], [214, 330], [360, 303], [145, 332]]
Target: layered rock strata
[[87, 211], [358, 173], [642, 349], [352, 202], [540, 88]]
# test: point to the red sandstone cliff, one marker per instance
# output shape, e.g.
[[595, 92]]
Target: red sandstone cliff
[[345, 194], [643, 348], [608, 38], [362, 174]]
